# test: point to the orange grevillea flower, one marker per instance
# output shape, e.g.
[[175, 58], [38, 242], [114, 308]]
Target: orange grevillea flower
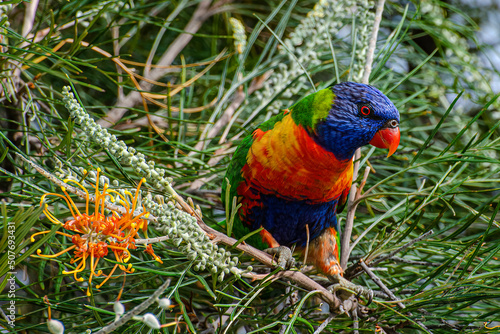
[[95, 235]]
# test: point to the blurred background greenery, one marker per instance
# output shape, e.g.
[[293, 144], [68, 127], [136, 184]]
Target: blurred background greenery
[[223, 78]]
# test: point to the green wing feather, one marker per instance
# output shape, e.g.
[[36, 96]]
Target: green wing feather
[[343, 200]]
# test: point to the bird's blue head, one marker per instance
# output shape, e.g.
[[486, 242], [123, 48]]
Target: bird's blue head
[[360, 114]]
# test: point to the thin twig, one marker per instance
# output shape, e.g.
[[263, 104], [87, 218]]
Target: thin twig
[[136, 310], [352, 204], [346, 233], [284, 326], [4, 316], [29, 18], [380, 294], [290, 301], [363, 182], [465, 255], [380, 284], [55, 29], [151, 240], [373, 42], [115, 33], [307, 245], [324, 324], [355, 321], [417, 263], [139, 24]]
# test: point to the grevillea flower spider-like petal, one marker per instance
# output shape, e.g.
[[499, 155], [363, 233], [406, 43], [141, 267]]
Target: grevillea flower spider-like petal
[[95, 235]]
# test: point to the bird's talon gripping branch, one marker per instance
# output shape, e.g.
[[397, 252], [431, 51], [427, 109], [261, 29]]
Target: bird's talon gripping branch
[[344, 284], [285, 256], [349, 305]]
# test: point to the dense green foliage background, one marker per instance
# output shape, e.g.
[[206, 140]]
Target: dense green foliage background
[[443, 178]]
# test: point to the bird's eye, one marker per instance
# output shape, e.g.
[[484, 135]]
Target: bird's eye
[[393, 123], [365, 110]]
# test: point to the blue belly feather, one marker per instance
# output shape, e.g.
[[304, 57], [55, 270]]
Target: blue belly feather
[[286, 220]]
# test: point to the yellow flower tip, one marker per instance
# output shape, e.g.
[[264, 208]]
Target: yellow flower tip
[[129, 267], [146, 215], [64, 272], [85, 172], [80, 279], [99, 273], [158, 260], [32, 239], [38, 251], [132, 270], [88, 292], [143, 179], [98, 286]]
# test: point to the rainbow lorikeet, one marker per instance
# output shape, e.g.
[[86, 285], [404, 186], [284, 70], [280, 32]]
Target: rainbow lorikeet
[[292, 175]]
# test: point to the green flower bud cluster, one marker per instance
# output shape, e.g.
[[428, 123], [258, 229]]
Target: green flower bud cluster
[[4, 9], [365, 17], [118, 148], [240, 38], [68, 173], [190, 239]]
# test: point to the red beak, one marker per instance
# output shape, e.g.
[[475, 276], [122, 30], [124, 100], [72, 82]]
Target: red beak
[[387, 138]]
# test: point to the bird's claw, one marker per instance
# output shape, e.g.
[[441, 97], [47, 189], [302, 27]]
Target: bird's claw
[[285, 257], [359, 290], [348, 305]]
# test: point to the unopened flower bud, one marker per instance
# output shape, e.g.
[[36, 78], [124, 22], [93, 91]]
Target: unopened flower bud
[[55, 326], [150, 320], [119, 309], [165, 303]]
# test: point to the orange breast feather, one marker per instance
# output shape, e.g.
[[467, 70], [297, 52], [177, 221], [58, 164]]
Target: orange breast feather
[[287, 162]]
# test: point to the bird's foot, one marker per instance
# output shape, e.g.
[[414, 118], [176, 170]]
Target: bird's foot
[[285, 256], [345, 285]]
